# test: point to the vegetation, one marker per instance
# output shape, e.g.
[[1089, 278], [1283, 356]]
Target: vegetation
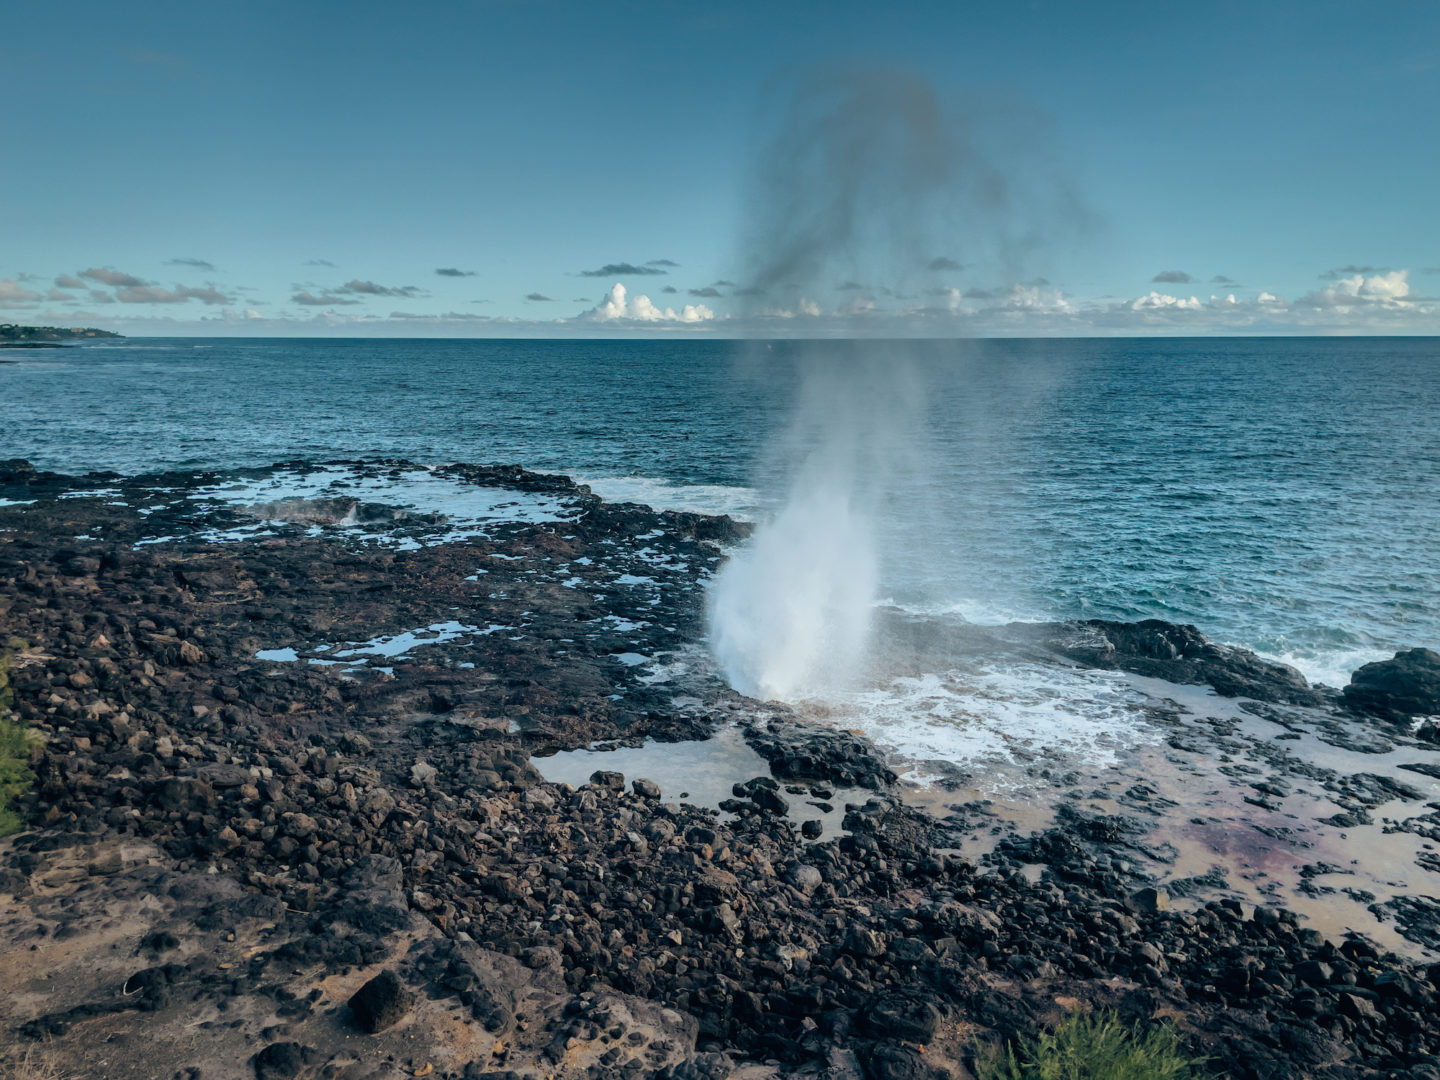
[[1086, 1047], [17, 745], [13, 332], [27, 1064]]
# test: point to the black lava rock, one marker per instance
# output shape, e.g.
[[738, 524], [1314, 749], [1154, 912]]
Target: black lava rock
[[608, 779], [892, 1016], [280, 1061], [1408, 685], [380, 1003], [1182, 654], [764, 792]]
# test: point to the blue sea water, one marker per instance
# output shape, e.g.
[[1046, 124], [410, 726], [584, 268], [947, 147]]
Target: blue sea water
[[1282, 494]]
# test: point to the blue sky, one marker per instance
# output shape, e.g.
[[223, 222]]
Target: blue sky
[[226, 168]]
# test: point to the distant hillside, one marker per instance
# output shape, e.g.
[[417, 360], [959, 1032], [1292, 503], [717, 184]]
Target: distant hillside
[[11, 333]]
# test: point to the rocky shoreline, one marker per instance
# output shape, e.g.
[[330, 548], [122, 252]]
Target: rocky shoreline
[[288, 819]]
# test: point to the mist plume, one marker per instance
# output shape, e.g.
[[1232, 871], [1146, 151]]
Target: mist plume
[[866, 177]]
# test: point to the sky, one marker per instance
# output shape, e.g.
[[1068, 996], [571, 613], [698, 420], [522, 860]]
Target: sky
[[532, 168]]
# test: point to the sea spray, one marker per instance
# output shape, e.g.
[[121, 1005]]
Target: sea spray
[[869, 186], [791, 612]]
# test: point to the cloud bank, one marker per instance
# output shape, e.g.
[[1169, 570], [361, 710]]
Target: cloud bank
[[1385, 289], [13, 294], [618, 307], [1352, 299]]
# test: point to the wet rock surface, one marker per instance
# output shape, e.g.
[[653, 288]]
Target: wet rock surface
[[1398, 689], [288, 823], [1178, 654]]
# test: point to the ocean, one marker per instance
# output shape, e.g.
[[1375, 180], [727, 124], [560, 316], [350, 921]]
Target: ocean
[[1281, 494]]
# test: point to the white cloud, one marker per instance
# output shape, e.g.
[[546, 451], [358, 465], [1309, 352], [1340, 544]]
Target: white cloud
[[1034, 298], [1153, 301], [618, 307], [1390, 289], [1381, 301], [1156, 312], [1017, 299], [13, 294]]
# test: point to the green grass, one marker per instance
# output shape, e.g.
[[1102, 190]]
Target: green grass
[[16, 747], [1097, 1047]]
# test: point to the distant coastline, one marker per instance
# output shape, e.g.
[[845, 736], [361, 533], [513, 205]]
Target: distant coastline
[[14, 336]]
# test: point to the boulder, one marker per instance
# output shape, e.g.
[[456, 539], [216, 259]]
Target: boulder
[[764, 792], [380, 1003], [280, 1061], [1148, 901], [224, 776], [703, 1066], [889, 1061], [608, 779], [1398, 689], [185, 794], [1176, 653], [865, 942], [646, 789], [805, 878], [895, 1016]]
